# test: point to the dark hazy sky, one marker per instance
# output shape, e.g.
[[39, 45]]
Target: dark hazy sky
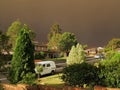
[[94, 22]]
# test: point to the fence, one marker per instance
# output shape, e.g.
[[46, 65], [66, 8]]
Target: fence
[[37, 87], [44, 87]]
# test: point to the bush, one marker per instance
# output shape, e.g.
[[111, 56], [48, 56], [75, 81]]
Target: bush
[[110, 72], [29, 79], [110, 54], [40, 55], [76, 55], [38, 70], [80, 74]]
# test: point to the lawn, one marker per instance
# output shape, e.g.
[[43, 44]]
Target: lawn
[[53, 80]]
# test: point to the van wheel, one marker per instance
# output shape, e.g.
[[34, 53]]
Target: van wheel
[[53, 72]]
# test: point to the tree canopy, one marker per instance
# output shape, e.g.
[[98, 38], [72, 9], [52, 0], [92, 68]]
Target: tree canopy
[[67, 41], [23, 57], [4, 45], [55, 29], [54, 37], [113, 44], [13, 31]]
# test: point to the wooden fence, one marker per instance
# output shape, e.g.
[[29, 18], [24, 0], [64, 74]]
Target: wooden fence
[[37, 87], [44, 87]]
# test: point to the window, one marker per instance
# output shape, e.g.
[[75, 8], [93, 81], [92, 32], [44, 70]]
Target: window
[[48, 65], [43, 65]]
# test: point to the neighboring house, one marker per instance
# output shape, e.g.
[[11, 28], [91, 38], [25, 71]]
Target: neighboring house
[[91, 51], [39, 48], [44, 48]]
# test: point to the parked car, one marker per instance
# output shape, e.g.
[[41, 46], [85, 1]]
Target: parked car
[[99, 56], [48, 67]]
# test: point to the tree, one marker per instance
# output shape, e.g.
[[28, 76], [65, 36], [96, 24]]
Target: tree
[[85, 46], [67, 41], [13, 32], [113, 44], [54, 37], [4, 45], [76, 55], [109, 74], [23, 57], [54, 42], [55, 29]]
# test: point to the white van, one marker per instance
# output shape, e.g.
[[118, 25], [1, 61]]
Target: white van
[[48, 67]]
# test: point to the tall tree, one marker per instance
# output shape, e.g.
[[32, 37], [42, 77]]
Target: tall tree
[[55, 29], [13, 32], [23, 57], [54, 36], [76, 55], [54, 42], [67, 41]]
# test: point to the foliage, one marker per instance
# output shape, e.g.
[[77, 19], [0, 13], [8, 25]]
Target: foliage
[[110, 72], [38, 70], [54, 37], [55, 29], [23, 58], [80, 74], [67, 41], [110, 54], [76, 55], [54, 42], [113, 44], [4, 45], [85, 46], [29, 79], [40, 55], [13, 32]]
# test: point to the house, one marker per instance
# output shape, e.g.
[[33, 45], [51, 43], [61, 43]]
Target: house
[[44, 48], [91, 51]]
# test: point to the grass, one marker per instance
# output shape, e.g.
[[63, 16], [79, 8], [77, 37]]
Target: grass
[[53, 80]]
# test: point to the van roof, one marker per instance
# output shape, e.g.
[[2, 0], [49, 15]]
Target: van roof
[[44, 62]]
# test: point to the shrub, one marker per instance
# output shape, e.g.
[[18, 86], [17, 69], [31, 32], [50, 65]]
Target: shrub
[[38, 70], [40, 55], [110, 54], [110, 72], [29, 79], [76, 55], [80, 74]]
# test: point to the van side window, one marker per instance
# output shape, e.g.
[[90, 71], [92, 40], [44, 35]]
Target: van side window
[[43, 65], [48, 65]]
